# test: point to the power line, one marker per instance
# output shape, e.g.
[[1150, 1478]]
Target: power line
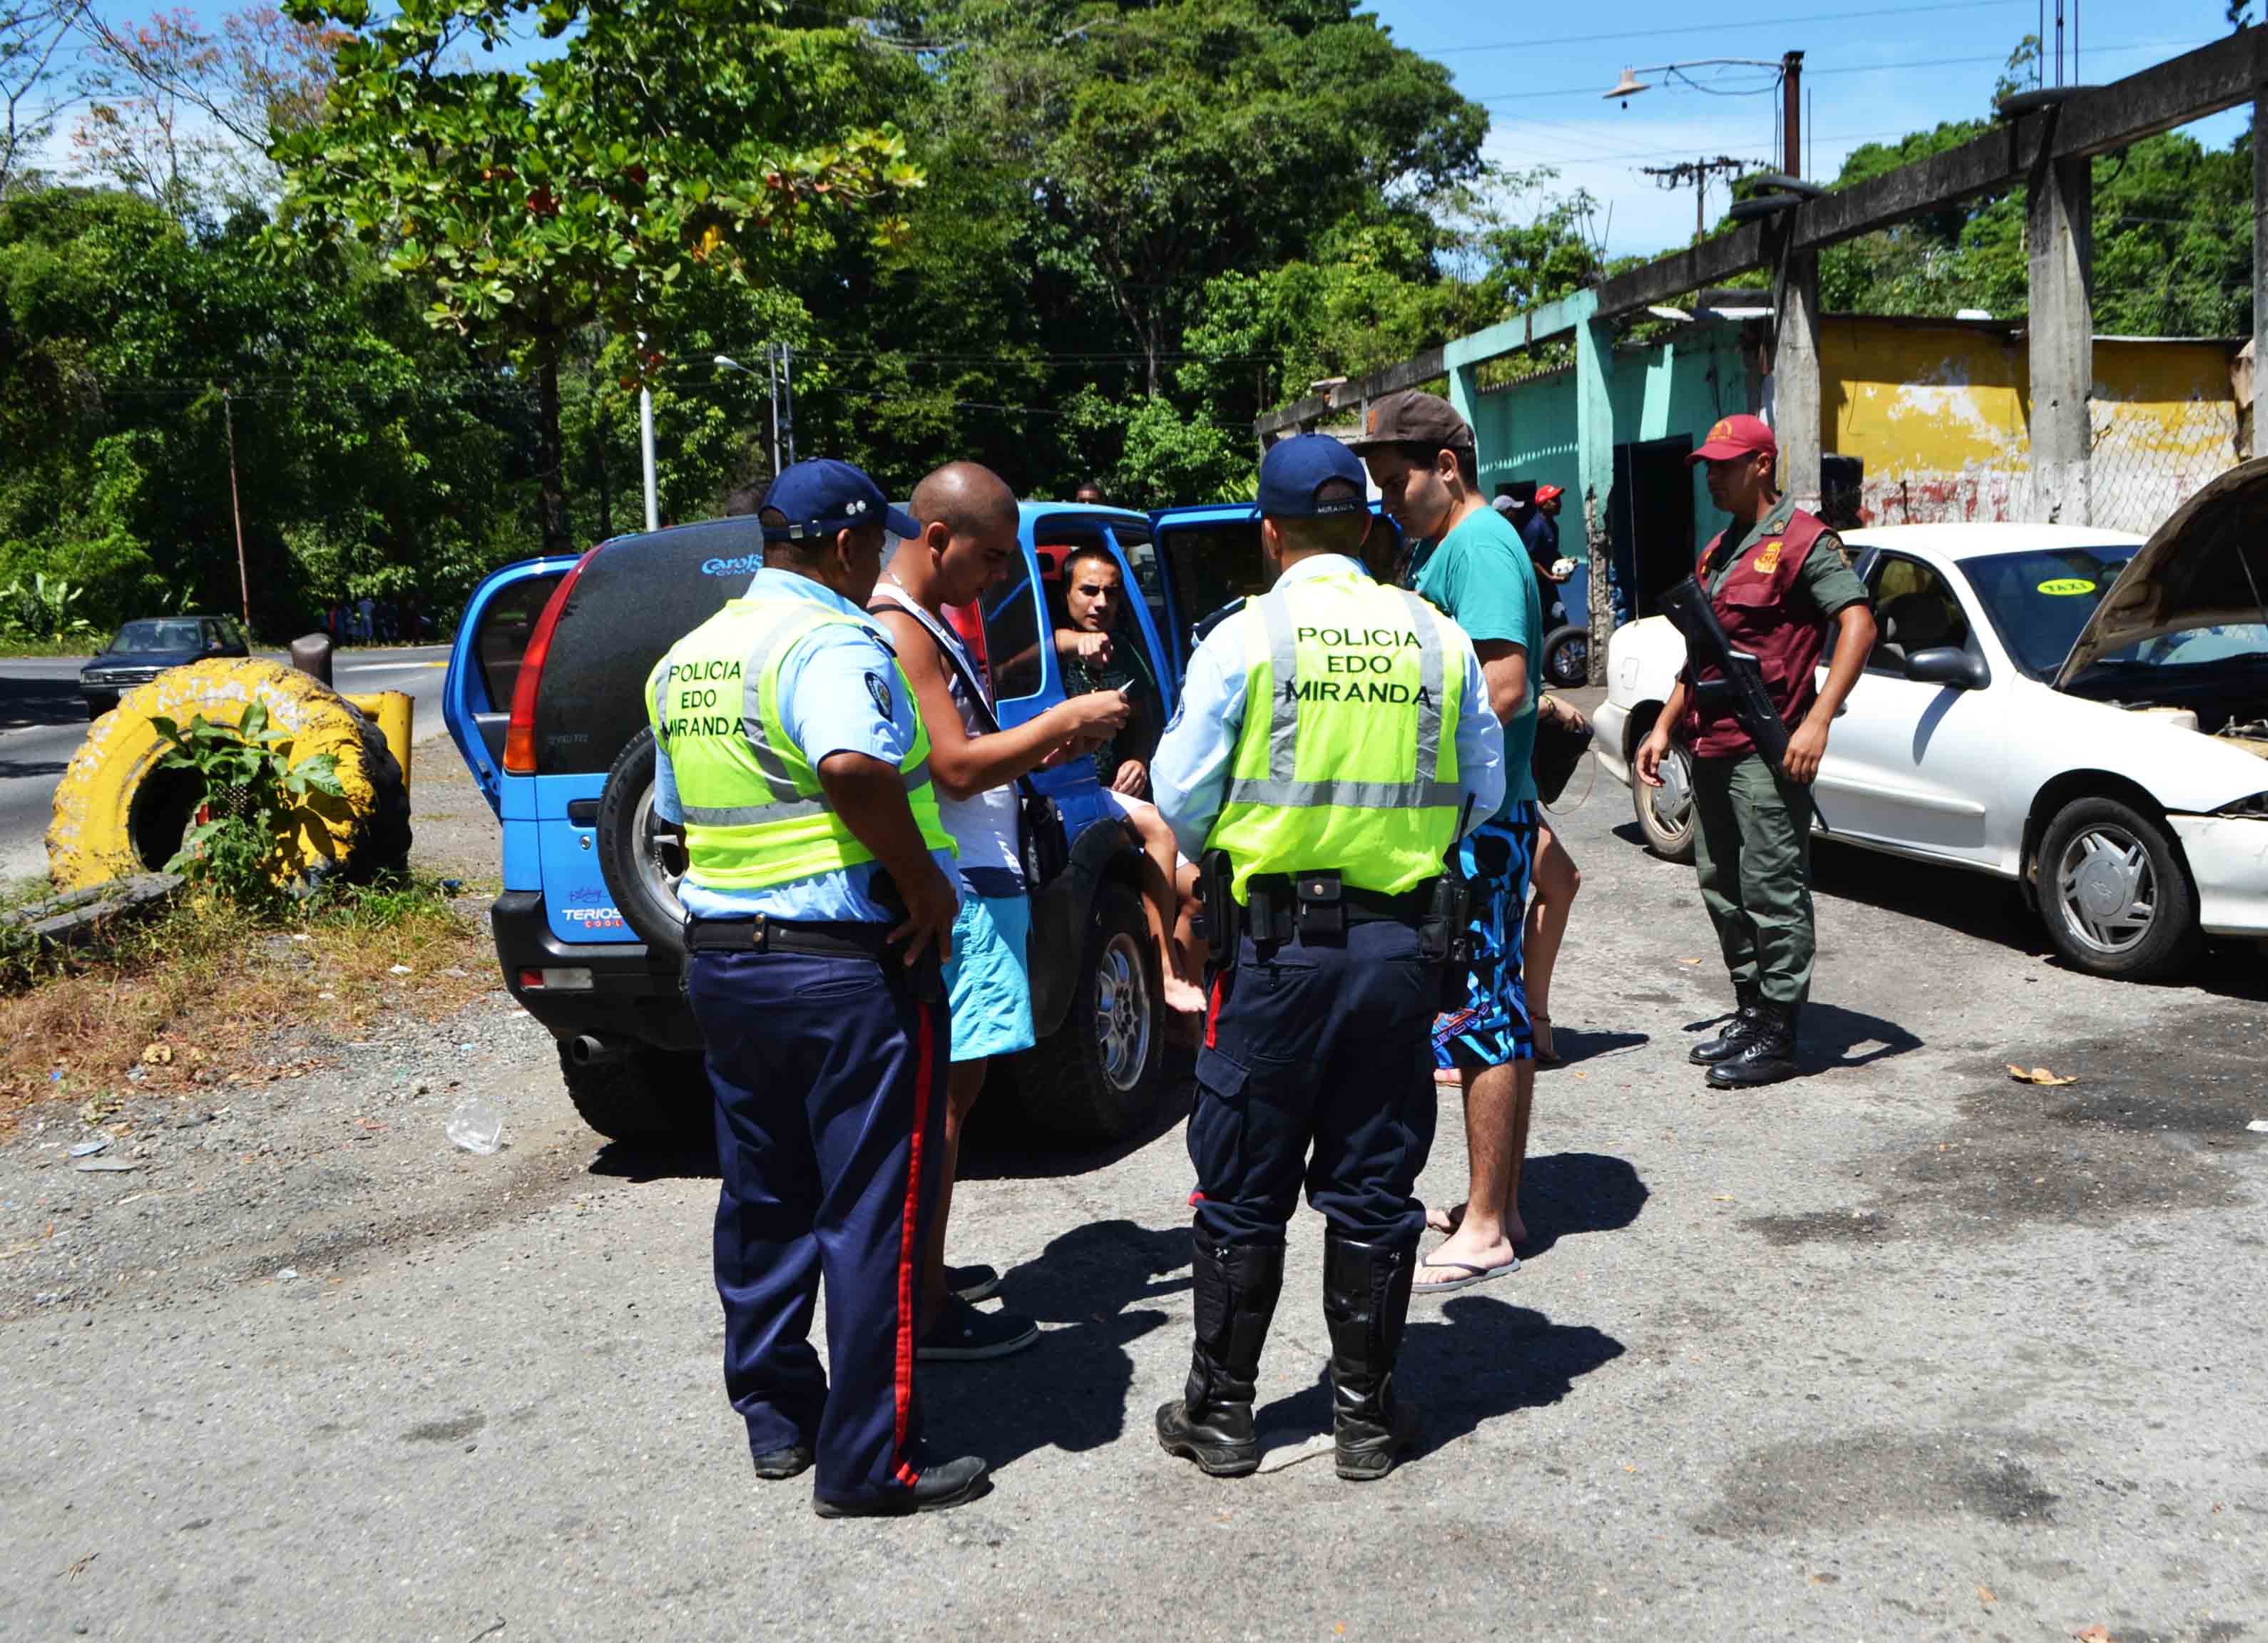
[[1713, 28]]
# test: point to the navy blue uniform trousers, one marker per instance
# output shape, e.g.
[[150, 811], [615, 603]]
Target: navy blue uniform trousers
[[831, 1109], [1317, 1066]]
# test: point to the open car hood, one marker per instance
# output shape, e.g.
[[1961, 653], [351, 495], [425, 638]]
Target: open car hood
[[2206, 565]]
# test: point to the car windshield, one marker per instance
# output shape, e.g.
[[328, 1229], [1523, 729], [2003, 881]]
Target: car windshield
[[157, 636], [2039, 602]]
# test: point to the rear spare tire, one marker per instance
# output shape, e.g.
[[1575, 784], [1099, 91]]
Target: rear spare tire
[[655, 1097], [1099, 1076], [641, 856]]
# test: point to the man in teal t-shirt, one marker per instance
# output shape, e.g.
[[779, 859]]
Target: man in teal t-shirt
[[1472, 565]]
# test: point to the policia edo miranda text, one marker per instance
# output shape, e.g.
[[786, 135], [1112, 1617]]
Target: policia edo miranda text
[[819, 900], [1333, 741], [1777, 578]]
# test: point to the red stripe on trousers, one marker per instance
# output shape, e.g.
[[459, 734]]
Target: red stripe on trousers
[[1212, 1011], [910, 1257]]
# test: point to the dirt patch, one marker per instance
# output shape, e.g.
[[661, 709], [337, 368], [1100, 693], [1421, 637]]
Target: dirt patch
[[2135, 1135], [1823, 1485], [207, 997], [1828, 1226]]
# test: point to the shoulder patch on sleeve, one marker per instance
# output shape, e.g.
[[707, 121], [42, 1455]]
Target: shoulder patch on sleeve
[[885, 703]]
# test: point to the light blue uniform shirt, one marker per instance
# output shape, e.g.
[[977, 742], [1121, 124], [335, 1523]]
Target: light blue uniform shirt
[[1189, 775], [827, 689]]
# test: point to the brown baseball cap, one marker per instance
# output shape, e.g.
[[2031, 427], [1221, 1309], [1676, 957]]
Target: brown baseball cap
[[1410, 417]]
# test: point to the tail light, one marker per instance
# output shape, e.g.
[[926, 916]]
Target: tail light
[[519, 735]]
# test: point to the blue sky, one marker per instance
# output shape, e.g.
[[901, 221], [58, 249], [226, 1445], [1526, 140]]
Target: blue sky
[[1874, 70], [1904, 66]]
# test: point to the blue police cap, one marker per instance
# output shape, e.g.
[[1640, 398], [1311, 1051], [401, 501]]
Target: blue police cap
[[820, 497], [1295, 468]]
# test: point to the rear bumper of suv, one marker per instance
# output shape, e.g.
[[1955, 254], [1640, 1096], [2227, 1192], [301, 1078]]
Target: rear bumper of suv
[[633, 993]]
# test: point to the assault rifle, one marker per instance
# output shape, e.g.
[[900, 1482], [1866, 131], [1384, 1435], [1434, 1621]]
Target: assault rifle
[[1741, 681]]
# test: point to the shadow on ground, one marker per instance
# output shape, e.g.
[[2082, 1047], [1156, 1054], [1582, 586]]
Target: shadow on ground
[[1472, 1361], [34, 701], [1072, 1391], [1563, 1195]]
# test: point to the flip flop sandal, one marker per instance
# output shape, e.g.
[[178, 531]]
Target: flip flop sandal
[[1472, 1275]]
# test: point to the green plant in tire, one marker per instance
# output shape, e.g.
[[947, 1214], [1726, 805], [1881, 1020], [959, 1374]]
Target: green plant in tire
[[238, 843]]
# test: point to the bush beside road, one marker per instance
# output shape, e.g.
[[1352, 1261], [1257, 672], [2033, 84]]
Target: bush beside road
[[1905, 1347]]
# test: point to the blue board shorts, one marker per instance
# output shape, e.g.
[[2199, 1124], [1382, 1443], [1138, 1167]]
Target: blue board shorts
[[988, 979], [1498, 859]]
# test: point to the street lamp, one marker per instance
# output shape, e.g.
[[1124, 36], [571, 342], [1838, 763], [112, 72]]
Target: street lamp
[[1788, 77]]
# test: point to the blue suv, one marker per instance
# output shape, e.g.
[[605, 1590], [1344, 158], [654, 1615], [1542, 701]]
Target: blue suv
[[544, 701]]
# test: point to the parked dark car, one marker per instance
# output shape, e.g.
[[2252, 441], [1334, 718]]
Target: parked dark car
[[146, 647]]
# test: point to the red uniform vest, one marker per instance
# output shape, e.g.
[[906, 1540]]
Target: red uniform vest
[[1786, 641]]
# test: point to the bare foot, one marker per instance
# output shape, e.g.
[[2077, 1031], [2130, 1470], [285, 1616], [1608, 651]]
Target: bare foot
[[1182, 997], [1448, 1078], [1443, 1221], [1463, 1248]]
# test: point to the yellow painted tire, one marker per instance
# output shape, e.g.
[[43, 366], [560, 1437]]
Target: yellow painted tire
[[116, 813]]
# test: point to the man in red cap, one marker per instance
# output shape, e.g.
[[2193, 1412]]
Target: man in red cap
[[1778, 579]]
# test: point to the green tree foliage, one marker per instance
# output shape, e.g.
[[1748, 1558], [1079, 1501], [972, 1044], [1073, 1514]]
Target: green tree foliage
[[371, 459], [670, 143]]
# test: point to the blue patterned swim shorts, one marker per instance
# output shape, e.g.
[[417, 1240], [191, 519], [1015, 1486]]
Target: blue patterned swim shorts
[[1498, 859]]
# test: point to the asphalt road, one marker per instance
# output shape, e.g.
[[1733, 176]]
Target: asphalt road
[[1903, 1350], [43, 720]]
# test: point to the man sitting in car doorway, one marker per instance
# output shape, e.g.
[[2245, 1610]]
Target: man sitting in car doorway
[[1093, 659]]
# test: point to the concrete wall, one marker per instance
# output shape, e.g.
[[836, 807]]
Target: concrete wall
[[1940, 415]]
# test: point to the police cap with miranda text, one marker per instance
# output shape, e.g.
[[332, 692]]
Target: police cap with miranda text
[[1410, 417], [1294, 469], [1735, 436], [817, 498]]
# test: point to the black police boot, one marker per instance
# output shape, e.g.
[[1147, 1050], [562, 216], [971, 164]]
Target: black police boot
[[1766, 1057], [1737, 1032], [1235, 1287], [1365, 1302]]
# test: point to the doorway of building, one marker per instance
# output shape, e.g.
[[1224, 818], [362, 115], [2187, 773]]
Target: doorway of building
[[1650, 519]]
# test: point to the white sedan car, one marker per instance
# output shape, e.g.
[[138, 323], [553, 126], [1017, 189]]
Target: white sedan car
[[2077, 710]]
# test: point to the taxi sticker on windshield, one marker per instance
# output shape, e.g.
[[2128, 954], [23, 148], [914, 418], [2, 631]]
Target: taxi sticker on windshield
[[2067, 585]]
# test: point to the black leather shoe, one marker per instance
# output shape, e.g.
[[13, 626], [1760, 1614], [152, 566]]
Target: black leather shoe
[[791, 1462], [1766, 1057], [1727, 1043], [951, 1483], [1218, 1437]]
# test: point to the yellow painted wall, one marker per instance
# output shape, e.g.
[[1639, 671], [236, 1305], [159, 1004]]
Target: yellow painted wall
[[1939, 415]]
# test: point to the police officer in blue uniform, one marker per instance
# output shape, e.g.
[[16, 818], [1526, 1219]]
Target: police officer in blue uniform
[[820, 898], [1334, 739]]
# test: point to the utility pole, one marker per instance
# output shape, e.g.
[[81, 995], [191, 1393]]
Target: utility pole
[[1790, 92], [236, 508], [771, 364], [787, 397], [646, 443], [1697, 172]]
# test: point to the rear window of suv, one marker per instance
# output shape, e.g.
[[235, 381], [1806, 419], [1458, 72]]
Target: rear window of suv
[[636, 598]]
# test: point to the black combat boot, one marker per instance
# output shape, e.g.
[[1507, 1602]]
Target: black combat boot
[[1235, 1287], [1365, 1302], [1766, 1057], [1746, 1019]]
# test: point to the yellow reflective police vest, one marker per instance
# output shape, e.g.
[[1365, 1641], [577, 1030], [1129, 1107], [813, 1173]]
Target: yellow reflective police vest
[[755, 813], [1347, 757]]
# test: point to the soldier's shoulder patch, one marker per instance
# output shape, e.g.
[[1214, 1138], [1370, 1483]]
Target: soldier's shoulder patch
[[885, 703]]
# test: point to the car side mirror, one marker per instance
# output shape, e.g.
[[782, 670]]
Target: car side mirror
[[1948, 665]]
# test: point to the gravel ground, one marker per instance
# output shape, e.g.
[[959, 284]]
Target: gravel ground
[[1904, 1349]]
